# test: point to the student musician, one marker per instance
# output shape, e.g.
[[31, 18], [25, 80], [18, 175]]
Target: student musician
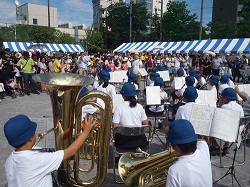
[[190, 95], [201, 81], [227, 101], [129, 113], [230, 82], [132, 79], [213, 84], [223, 84], [104, 85], [193, 167]]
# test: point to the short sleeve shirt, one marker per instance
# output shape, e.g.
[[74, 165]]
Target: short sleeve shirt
[[32, 168], [26, 65], [127, 116]]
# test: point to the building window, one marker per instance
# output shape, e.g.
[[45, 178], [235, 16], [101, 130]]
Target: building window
[[34, 21]]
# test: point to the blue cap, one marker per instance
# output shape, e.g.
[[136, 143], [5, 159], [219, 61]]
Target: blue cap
[[83, 91], [154, 70], [227, 75], [224, 79], [104, 75], [229, 93], [181, 131], [190, 93], [214, 79], [159, 80], [108, 69], [181, 65], [197, 76], [189, 81], [128, 89], [192, 72], [131, 76], [155, 75], [19, 130], [180, 72]]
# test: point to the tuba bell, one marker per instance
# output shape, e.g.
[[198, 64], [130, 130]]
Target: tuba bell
[[88, 167], [150, 170]]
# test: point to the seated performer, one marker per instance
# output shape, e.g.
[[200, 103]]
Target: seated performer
[[105, 86], [132, 79], [228, 101], [223, 84], [129, 113], [193, 167], [190, 95], [213, 84]]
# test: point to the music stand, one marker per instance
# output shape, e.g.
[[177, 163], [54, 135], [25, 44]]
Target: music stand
[[153, 99], [231, 169]]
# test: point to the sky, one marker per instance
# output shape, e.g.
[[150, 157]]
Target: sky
[[81, 11]]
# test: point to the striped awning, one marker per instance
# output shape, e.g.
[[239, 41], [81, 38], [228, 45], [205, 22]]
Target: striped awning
[[42, 47], [238, 45]]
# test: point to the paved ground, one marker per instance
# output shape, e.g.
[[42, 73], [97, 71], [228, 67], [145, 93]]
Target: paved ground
[[37, 106]]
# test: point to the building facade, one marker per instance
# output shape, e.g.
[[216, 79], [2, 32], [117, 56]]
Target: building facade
[[227, 11], [154, 6], [33, 14]]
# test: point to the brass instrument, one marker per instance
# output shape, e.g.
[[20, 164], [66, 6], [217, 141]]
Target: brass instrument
[[150, 170], [89, 165]]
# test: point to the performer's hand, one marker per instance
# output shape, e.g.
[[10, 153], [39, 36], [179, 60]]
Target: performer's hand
[[87, 124]]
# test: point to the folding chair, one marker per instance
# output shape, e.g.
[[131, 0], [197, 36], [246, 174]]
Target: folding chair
[[129, 131], [242, 137]]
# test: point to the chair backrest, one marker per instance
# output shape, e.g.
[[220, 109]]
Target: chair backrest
[[132, 131], [244, 120]]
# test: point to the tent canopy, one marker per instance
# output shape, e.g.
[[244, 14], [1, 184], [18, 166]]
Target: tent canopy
[[42, 47], [234, 46]]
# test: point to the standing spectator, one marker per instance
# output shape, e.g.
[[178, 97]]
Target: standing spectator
[[27, 69], [216, 62], [136, 65], [236, 69], [57, 65]]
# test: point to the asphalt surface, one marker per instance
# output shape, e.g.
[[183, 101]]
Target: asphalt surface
[[37, 106]]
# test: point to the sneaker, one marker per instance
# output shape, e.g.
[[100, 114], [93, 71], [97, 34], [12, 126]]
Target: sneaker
[[214, 151], [36, 92], [27, 93], [226, 150]]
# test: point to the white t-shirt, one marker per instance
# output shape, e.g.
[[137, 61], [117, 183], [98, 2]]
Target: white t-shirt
[[110, 89], [136, 65], [88, 109], [233, 105], [32, 168], [127, 116], [184, 111], [192, 170], [231, 83], [222, 87]]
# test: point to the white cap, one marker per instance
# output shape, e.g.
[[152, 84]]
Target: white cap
[[125, 59]]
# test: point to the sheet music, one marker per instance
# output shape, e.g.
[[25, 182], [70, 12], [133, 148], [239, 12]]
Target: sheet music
[[164, 75], [225, 124], [206, 97], [50, 137], [41, 128], [117, 100], [143, 72], [179, 82], [116, 77], [201, 119], [153, 95]]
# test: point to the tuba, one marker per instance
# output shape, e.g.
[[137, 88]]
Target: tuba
[[150, 170], [89, 165]]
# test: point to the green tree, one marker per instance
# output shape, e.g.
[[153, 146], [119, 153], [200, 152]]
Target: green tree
[[179, 24], [116, 24], [221, 30], [154, 34], [243, 26], [95, 41]]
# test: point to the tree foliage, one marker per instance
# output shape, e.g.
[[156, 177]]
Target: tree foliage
[[95, 41], [32, 33], [221, 30], [116, 24], [179, 24], [244, 25]]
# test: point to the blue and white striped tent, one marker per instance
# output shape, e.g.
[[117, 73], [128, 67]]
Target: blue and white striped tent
[[239, 45], [42, 47]]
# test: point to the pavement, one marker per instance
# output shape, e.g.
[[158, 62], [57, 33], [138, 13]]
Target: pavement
[[37, 106]]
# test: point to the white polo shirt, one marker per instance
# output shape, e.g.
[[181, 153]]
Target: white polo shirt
[[127, 116], [222, 87], [136, 65], [192, 170], [110, 89], [32, 168], [233, 105]]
